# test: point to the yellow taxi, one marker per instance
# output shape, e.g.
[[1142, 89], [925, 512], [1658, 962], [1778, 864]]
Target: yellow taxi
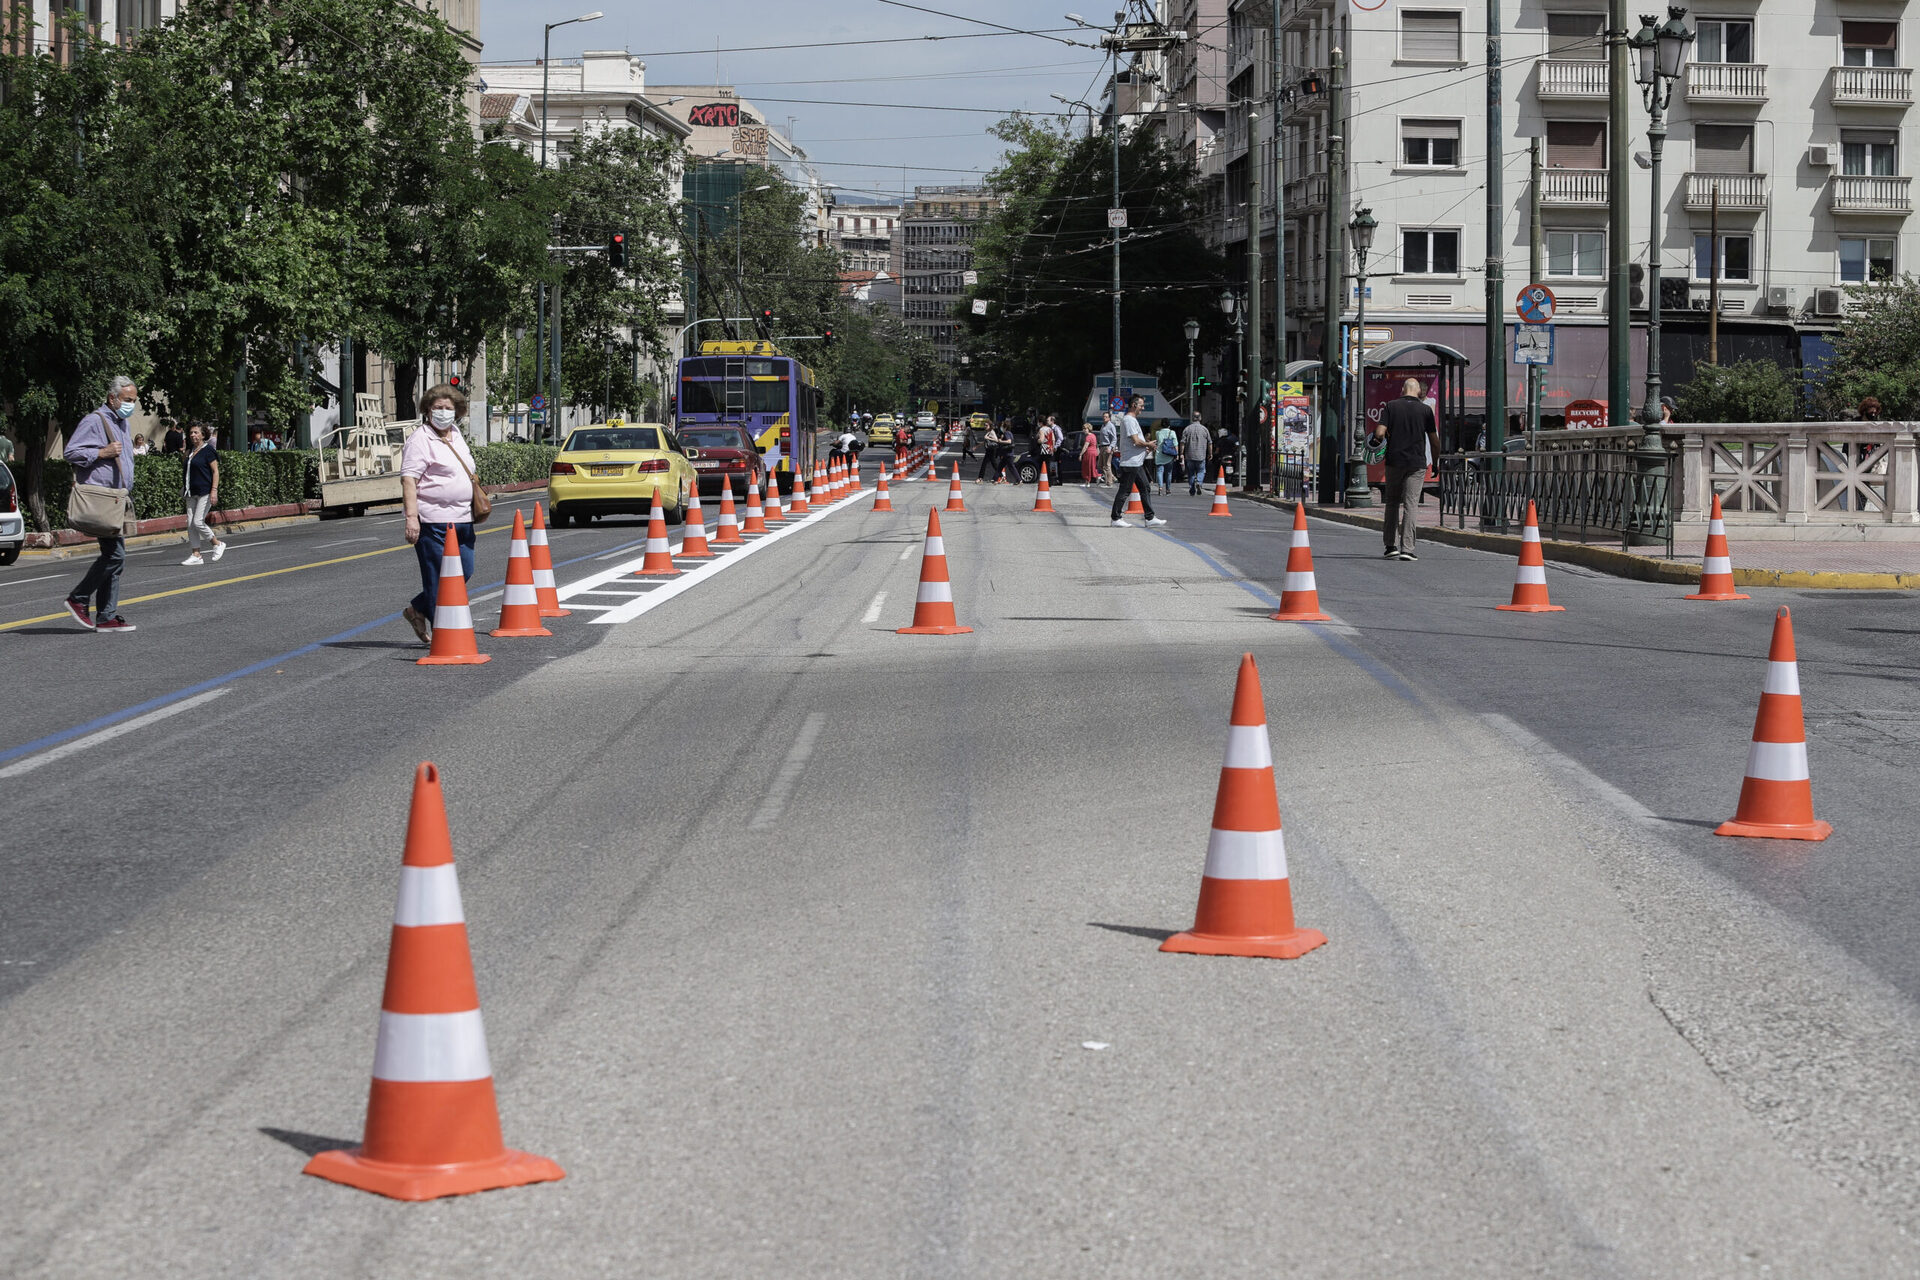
[[979, 422], [615, 468], [881, 432]]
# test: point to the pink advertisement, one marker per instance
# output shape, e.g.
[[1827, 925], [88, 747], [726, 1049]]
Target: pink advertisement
[[1385, 386]]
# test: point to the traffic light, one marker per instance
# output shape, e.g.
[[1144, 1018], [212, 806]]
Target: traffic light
[[617, 250], [454, 381], [829, 337]]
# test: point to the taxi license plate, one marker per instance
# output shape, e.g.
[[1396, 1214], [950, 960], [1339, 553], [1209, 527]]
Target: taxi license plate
[[605, 471]]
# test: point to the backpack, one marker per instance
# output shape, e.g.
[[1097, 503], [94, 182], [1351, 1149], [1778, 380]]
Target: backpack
[[1170, 446]]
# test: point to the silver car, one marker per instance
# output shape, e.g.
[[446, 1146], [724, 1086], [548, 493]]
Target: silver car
[[13, 525]]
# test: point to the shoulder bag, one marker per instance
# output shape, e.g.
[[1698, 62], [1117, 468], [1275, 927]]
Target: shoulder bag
[[482, 504], [99, 510]]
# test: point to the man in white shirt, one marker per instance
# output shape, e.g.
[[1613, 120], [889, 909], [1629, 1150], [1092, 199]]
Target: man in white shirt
[[1130, 464]]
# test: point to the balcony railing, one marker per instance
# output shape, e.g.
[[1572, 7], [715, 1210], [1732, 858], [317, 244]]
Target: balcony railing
[[1309, 192], [1872, 86], [1860, 193], [1586, 187], [1739, 192], [1726, 82], [1564, 79]]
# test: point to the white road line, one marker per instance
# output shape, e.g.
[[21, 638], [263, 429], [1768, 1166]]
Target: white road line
[[1544, 753], [905, 552], [873, 610], [487, 595], [781, 789], [235, 546], [613, 591], [582, 604], [21, 582], [78, 745]]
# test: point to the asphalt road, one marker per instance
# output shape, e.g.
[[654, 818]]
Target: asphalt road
[[809, 949]]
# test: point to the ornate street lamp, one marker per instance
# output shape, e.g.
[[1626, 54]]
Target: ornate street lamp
[[1230, 303], [1192, 329], [1360, 233]]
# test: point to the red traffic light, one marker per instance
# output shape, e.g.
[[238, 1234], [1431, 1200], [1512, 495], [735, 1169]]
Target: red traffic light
[[454, 380]]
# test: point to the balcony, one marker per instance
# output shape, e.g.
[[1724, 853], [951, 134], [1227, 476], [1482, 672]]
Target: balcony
[[1859, 193], [1739, 192], [1726, 82], [1576, 188], [1563, 79], [1872, 86], [1308, 193]]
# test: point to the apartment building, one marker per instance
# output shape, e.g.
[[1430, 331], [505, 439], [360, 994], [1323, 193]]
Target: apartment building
[[864, 235], [938, 227], [1795, 118]]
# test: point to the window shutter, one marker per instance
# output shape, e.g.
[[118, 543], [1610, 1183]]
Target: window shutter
[[1870, 35], [1723, 148], [1575, 37], [1576, 144], [1429, 37]]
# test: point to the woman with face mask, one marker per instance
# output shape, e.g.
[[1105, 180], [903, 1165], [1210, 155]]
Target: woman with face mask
[[436, 483]]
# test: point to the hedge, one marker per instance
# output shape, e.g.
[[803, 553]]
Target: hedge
[[511, 463]]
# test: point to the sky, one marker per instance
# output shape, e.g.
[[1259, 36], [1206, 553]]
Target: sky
[[880, 148]]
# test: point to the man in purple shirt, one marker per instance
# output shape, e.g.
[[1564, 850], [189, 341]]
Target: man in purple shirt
[[100, 452]]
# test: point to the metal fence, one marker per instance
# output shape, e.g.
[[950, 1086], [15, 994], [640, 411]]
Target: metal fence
[[1298, 475], [1577, 493]]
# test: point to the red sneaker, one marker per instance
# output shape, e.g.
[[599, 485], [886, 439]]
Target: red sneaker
[[81, 611], [114, 624]]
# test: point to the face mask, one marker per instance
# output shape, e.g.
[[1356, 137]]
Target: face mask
[[443, 418], [125, 409]]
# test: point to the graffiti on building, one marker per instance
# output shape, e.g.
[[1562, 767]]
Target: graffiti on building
[[750, 141], [715, 115]]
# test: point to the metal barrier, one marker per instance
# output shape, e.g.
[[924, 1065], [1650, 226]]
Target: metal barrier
[[1577, 493], [1297, 476]]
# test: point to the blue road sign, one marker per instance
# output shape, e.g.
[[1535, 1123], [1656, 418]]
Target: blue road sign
[[1533, 344], [537, 402], [1535, 304]]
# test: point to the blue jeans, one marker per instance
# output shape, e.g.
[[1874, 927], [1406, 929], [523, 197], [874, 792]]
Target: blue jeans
[[1196, 474], [431, 547], [1166, 473], [103, 580]]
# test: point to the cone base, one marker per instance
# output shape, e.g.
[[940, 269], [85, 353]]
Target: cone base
[[1286, 946], [953, 506], [1531, 608], [644, 572], [727, 541], [556, 613], [517, 633], [431, 1182], [1224, 515], [1300, 617], [454, 660], [937, 630], [1717, 595], [1772, 831]]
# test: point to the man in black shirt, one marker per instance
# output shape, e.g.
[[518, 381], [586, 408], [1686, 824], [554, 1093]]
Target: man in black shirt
[[1408, 425]]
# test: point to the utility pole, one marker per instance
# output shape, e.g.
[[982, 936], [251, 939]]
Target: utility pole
[[1255, 382], [1496, 247], [553, 363], [1619, 251], [1332, 369], [1534, 255], [1279, 249], [349, 410], [1713, 280], [1113, 229]]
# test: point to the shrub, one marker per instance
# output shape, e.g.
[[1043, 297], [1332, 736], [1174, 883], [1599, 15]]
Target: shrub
[[511, 463], [1750, 391], [159, 489]]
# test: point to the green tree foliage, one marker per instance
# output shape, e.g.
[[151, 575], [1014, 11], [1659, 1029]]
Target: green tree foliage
[[1046, 267], [1750, 391], [1877, 352], [876, 363]]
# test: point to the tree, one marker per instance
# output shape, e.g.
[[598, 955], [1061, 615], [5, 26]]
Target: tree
[[1750, 391], [1045, 265], [875, 361], [1877, 352]]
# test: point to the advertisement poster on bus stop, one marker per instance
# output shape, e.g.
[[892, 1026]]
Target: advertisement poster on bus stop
[[1384, 386], [1296, 415]]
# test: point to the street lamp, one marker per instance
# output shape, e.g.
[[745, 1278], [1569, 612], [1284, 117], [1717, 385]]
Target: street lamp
[[1230, 304], [1192, 330], [1360, 232], [540, 372]]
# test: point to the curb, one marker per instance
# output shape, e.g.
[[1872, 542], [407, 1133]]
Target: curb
[[1621, 564]]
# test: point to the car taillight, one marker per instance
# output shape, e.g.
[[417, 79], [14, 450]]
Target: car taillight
[[657, 464], [738, 464], [561, 469]]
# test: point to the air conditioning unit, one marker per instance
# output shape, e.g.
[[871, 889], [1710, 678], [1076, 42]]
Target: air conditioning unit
[[1780, 299], [1828, 302], [1697, 303], [1674, 294], [1821, 155], [1636, 285]]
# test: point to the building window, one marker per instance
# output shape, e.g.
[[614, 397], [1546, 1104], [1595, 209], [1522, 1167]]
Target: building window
[[1429, 35], [1863, 261], [1576, 37], [1723, 148], [1430, 253], [1723, 40], [1868, 153], [1576, 144], [1430, 143], [1577, 255], [1736, 258], [1869, 44]]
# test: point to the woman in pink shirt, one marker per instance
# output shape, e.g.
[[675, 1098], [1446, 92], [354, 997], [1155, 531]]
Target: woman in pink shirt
[[436, 486]]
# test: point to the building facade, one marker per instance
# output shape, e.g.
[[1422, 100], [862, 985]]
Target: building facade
[[937, 229], [864, 235]]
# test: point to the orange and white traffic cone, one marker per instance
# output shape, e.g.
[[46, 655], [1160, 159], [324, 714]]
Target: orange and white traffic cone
[[1299, 593], [1133, 502], [728, 530], [519, 603], [774, 515], [882, 500], [956, 497], [1220, 495], [756, 517], [433, 1126], [1530, 582], [453, 641], [1776, 798], [659, 558], [933, 466], [933, 607], [797, 504], [1043, 496], [693, 534], [1246, 901], [1716, 567], [544, 588]]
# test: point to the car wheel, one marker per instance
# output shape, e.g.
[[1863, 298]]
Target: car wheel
[[581, 519], [1028, 473], [8, 556], [677, 513]]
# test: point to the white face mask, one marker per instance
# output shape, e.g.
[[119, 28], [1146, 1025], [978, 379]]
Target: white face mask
[[443, 418]]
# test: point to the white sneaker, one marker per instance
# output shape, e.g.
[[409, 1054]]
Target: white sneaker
[[1156, 521], [193, 559], [1121, 524], [219, 549]]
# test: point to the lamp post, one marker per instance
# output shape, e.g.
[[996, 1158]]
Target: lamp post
[[540, 293], [1230, 303], [1192, 330], [1360, 231], [1662, 54]]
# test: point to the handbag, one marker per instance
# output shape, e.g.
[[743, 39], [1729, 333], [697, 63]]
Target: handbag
[[482, 504], [98, 510]]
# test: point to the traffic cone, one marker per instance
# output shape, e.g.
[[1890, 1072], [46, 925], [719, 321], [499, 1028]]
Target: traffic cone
[[519, 604], [453, 641], [544, 588], [756, 517], [1299, 593], [956, 497], [933, 467], [882, 500], [797, 500], [1246, 903], [933, 607], [1133, 502], [433, 1127], [693, 535], [1220, 495], [1043, 496], [1776, 798], [728, 530], [1716, 567], [659, 558], [774, 515], [1530, 583]]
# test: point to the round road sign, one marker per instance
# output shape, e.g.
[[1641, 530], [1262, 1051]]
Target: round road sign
[[1535, 304], [537, 402]]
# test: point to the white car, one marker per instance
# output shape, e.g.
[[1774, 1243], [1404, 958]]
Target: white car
[[13, 525]]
